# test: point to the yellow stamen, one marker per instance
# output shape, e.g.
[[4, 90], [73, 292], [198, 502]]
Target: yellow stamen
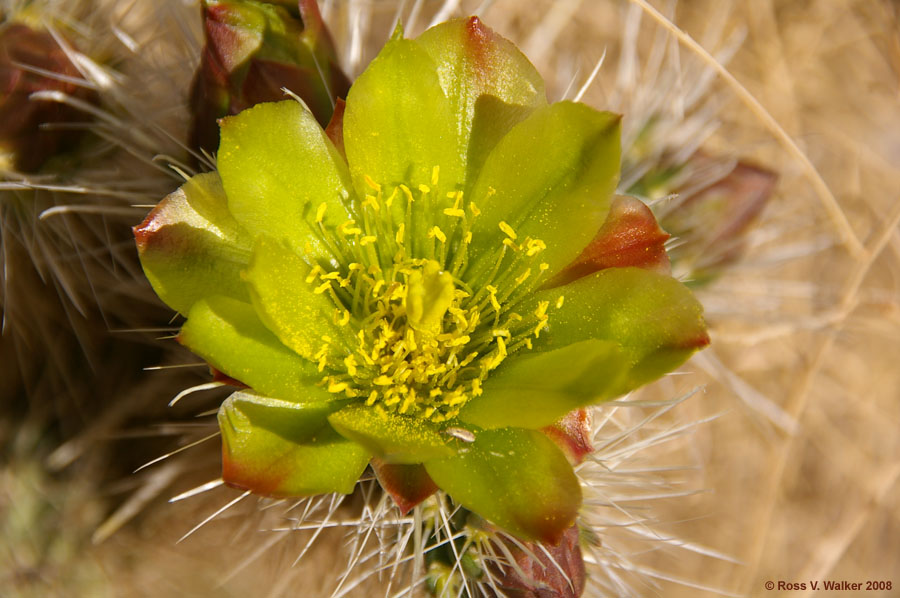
[[374, 186], [435, 231], [508, 230]]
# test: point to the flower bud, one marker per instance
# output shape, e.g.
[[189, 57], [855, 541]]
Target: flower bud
[[253, 51], [32, 61]]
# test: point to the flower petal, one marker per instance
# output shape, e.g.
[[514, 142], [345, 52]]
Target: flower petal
[[392, 437], [654, 318], [399, 126], [278, 448], [546, 386], [490, 84], [551, 178], [191, 247], [277, 168], [228, 334], [517, 479], [408, 485], [335, 128], [286, 303], [629, 237]]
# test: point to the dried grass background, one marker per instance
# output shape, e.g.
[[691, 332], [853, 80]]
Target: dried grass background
[[796, 478]]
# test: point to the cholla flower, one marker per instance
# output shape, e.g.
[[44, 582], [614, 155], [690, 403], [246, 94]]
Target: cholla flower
[[424, 289]]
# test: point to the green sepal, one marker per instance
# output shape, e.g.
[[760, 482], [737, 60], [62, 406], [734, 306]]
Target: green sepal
[[517, 479], [392, 437], [228, 334], [550, 178], [398, 126], [278, 167], [654, 318], [191, 247], [408, 485], [281, 449], [544, 387], [286, 303]]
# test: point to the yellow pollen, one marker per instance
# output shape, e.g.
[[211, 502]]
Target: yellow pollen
[[459, 342], [435, 174], [347, 228], [493, 297], [371, 183], [372, 202], [417, 337], [559, 302], [534, 247], [435, 231], [313, 274], [424, 189], [508, 230], [350, 363]]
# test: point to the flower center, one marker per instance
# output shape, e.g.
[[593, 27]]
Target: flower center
[[420, 341]]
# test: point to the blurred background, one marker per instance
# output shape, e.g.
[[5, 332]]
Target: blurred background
[[780, 464]]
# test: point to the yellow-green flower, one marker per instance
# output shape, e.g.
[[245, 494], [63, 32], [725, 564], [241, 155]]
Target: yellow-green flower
[[426, 286]]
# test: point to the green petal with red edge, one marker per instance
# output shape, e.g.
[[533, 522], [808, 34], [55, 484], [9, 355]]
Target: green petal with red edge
[[489, 83], [286, 303], [280, 448], [191, 247], [551, 178], [228, 334], [278, 167], [536, 389], [392, 437], [398, 125], [516, 479], [629, 237], [654, 318], [408, 485]]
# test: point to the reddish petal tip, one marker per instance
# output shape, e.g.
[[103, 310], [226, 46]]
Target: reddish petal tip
[[630, 237]]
